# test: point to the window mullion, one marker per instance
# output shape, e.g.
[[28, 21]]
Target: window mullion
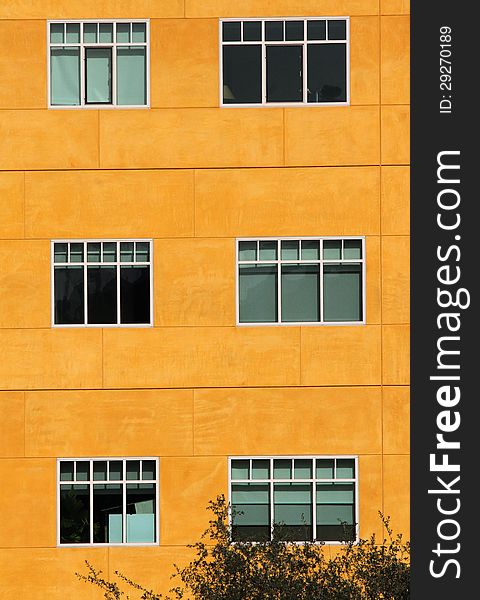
[[320, 283], [279, 287]]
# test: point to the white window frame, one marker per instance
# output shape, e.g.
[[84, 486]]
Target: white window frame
[[271, 481], [280, 262], [116, 263], [91, 483], [113, 45], [303, 43]]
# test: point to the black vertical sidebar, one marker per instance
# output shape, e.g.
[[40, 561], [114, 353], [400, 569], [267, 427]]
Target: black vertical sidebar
[[445, 267]]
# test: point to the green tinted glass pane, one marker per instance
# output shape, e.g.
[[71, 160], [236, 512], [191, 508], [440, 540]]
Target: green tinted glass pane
[[345, 468], [302, 468], [324, 468], [289, 250], [251, 514], [109, 251], [300, 293], [65, 76], [66, 471], [267, 250], [260, 469], [76, 252], [250, 493], [93, 252], [282, 468], [115, 470], [107, 513], [133, 469], [56, 33], [258, 293], [310, 250], [140, 519], [240, 469], [247, 250], [352, 249], [123, 33], [73, 33], [126, 252], [148, 469], [335, 493], [100, 470], [82, 471], [292, 493], [334, 514], [342, 292], [142, 251], [105, 34], [60, 252], [90, 33], [139, 32], [332, 249], [294, 30], [98, 75], [131, 76]]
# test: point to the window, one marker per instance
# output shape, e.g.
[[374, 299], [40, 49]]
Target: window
[[308, 280], [95, 64], [277, 61], [313, 498], [108, 501], [102, 282]]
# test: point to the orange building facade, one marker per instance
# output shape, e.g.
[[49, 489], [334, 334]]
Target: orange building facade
[[195, 387]]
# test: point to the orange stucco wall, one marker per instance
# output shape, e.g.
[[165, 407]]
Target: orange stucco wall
[[192, 176]]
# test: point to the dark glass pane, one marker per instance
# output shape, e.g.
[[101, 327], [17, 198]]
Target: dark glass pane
[[82, 470], [100, 470], [242, 74], [337, 30], [327, 75], [126, 251], [258, 293], [335, 533], [60, 253], [109, 251], [250, 533], [316, 30], [69, 296], [107, 513], [74, 514], [284, 74], [274, 31], [102, 295], [66, 471], [231, 31], [115, 470], [148, 469], [294, 30], [133, 469], [135, 294], [252, 31], [76, 252], [342, 292], [141, 500], [93, 252], [300, 293]]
